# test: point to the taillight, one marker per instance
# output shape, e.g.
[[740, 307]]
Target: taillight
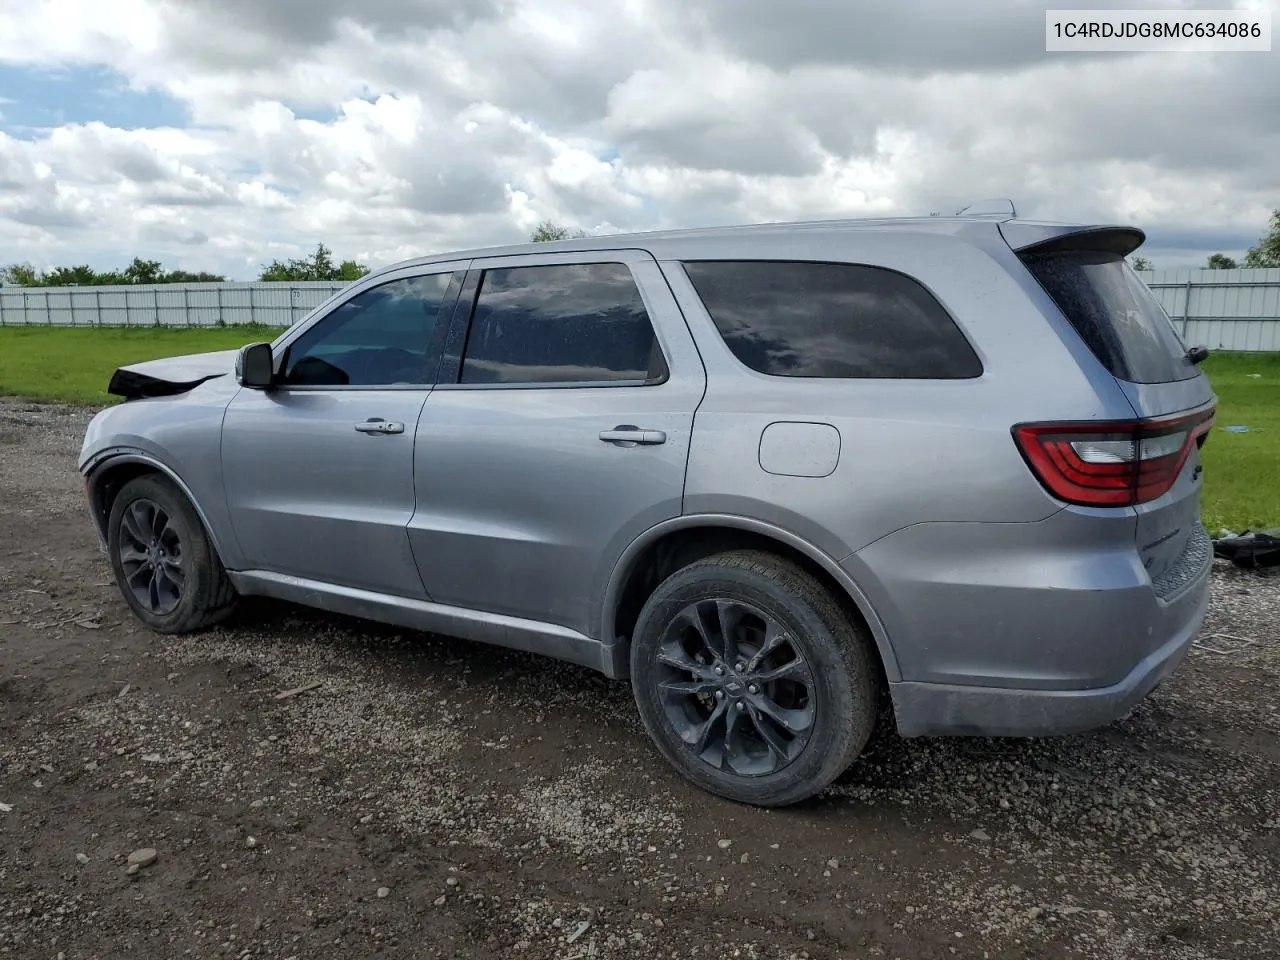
[[1111, 464]]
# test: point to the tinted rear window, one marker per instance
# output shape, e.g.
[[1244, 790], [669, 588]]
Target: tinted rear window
[[571, 323], [839, 320], [1115, 314]]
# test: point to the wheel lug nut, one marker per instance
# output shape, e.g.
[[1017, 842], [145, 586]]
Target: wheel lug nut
[[719, 694], [739, 667], [719, 671], [741, 706], [753, 688]]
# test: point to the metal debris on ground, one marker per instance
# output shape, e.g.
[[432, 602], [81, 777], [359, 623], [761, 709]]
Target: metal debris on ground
[[286, 694], [578, 931], [1260, 548], [1225, 643]]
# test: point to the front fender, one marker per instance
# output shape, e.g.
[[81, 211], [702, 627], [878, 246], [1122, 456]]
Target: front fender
[[105, 465], [179, 437]]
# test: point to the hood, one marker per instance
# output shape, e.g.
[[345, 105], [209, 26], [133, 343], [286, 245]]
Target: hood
[[171, 375]]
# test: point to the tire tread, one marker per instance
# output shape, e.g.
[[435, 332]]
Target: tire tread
[[856, 720], [215, 596]]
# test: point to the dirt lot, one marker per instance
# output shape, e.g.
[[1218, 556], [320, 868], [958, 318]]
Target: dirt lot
[[436, 799]]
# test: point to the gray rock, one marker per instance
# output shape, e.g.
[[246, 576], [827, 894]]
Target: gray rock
[[143, 858], [81, 859], [384, 892]]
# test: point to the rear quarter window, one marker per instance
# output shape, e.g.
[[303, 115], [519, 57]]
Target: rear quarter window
[[1115, 313], [833, 320]]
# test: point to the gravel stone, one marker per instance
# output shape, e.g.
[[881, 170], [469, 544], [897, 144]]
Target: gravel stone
[[143, 857]]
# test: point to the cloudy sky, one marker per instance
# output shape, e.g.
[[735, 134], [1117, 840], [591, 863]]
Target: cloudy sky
[[218, 134]]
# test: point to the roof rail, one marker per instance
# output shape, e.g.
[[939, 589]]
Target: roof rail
[[988, 208]]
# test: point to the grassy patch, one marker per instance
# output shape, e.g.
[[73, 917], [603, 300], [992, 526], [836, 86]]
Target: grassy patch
[[1242, 470], [74, 365]]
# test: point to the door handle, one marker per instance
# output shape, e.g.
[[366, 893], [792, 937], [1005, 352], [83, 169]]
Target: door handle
[[627, 435], [378, 425]]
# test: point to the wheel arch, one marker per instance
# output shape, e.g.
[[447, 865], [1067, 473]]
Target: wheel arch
[[673, 544], [105, 477]]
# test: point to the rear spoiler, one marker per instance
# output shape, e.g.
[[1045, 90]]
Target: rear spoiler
[[1030, 237]]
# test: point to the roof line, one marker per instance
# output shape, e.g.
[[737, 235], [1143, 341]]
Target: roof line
[[613, 241]]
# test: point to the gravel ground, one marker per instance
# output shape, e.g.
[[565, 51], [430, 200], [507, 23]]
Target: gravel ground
[[431, 798]]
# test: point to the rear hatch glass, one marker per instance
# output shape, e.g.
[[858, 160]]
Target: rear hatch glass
[[1114, 313]]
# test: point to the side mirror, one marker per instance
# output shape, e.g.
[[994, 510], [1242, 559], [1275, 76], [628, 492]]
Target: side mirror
[[255, 366]]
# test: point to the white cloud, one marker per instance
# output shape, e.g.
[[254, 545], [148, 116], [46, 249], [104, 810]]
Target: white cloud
[[397, 127]]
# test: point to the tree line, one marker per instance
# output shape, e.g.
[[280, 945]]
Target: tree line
[[320, 265], [1265, 254]]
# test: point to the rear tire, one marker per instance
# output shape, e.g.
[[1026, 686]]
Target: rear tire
[[778, 713], [164, 562]]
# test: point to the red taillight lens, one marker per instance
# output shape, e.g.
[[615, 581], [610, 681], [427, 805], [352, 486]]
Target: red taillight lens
[[1111, 464]]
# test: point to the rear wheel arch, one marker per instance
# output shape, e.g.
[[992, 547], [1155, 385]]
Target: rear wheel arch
[[670, 546]]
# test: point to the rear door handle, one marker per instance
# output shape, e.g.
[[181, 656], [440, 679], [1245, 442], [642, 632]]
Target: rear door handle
[[627, 435], [378, 425]]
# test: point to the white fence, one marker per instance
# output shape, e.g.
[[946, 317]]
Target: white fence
[[163, 304], [1219, 309]]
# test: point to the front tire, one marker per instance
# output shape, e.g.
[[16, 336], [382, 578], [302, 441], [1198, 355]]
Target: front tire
[[751, 679], [164, 562]]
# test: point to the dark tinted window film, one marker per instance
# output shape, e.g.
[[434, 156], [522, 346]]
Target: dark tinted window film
[[1115, 314], [560, 324], [792, 319], [383, 336]]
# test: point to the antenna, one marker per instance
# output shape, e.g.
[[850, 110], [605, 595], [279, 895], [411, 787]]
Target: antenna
[[988, 208]]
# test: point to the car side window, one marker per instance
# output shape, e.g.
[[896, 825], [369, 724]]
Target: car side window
[[839, 320], [383, 336], [561, 323]]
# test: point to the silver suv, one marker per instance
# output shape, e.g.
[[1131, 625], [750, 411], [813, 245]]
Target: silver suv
[[775, 475]]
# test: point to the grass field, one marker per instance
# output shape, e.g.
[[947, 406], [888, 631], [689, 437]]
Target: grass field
[[74, 365], [1242, 470]]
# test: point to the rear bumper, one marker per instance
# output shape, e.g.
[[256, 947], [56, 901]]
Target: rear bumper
[[1027, 629], [937, 709]]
